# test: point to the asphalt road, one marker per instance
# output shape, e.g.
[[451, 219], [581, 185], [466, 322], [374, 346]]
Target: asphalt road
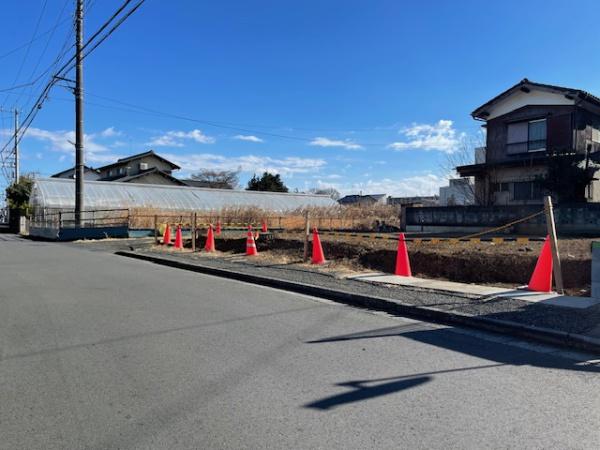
[[99, 351]]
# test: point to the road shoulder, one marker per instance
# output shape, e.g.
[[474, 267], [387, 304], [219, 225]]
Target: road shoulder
[[553, 325]]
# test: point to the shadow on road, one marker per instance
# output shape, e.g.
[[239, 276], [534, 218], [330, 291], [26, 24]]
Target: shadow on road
[[361, 391], [448, 338]]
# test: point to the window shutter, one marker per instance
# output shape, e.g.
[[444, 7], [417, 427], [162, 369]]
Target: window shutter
[[517, 137], [560, 133]]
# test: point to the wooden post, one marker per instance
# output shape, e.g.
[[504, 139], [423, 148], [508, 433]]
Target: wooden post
[[553, 244], [155, 229], [306, 235], [193, 232], [402, 217]]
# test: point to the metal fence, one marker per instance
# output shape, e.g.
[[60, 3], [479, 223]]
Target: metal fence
[[97, 218], [4, 216]]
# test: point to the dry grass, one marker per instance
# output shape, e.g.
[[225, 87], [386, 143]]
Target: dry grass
[[336, 217]]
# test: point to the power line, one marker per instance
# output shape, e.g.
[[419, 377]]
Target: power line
[[218, 124], [60, 14], [66, 68], [38, 37], [37, 25]]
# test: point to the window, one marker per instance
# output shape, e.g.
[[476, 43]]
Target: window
[[524, 137], [500, 187], [527, 190]]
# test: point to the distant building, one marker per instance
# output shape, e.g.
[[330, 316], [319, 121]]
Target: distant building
[[460, 191], [147, 167], [88, 173], [432, 200], [362, 200], [144, 168]]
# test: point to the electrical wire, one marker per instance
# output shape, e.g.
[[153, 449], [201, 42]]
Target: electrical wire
[[32, 76], [39, 36], [43, 96], [37, 25]]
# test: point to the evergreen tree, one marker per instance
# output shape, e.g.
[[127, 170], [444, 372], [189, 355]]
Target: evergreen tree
[[267, 182]]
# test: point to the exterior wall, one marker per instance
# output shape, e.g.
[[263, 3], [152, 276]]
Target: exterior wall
[[510, 176], [520, 99], [134, 167], [588, 131], [571, 219], [497, 131]]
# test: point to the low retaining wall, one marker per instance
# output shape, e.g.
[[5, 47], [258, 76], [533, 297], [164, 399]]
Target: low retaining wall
[[582, 219], [74, 234]]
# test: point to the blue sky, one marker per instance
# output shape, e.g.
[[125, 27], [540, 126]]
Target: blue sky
[[365, 96]]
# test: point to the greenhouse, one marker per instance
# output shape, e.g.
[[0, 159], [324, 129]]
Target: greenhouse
[[59, 193]]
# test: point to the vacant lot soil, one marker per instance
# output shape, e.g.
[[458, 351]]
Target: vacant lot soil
[[507, 263]]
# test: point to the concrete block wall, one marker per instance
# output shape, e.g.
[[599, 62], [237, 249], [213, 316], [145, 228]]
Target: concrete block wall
[[571, 219]]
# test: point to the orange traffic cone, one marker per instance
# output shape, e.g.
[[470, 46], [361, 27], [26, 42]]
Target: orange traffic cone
[[250, 244], [264, 226], [167, 236], [541, 279], [402, 261], [317, 250], [178, 238], [210, 240], [218, 229]]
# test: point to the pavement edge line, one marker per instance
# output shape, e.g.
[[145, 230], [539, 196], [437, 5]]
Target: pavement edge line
[[539, 334]]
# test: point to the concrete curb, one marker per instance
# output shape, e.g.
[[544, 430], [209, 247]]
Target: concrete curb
[[539, 334]]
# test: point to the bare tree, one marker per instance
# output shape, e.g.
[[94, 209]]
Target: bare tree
[[218, 179], [464, 155]]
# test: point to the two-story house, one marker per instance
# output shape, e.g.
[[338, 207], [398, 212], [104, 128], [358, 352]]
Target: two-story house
[[146, 168], [525, 126]]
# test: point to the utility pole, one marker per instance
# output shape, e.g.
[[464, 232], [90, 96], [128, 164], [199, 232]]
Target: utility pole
[[14, 167], [79, 160], [16, 149]]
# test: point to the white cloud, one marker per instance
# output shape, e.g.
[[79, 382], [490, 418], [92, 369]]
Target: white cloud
[[248, 163], [62, 141], [427, 184], [249, 138], [326, 142], [176, 138], [440, 136], [110, 132]]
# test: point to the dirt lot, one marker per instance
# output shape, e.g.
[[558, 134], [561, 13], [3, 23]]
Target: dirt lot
[[507, 263]]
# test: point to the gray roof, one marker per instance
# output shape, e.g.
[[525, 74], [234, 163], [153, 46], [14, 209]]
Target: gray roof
[[143, 173], [60, 193], [122, 161]]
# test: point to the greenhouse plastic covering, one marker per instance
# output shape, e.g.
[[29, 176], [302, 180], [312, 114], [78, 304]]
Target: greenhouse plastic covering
[[60, 193]]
